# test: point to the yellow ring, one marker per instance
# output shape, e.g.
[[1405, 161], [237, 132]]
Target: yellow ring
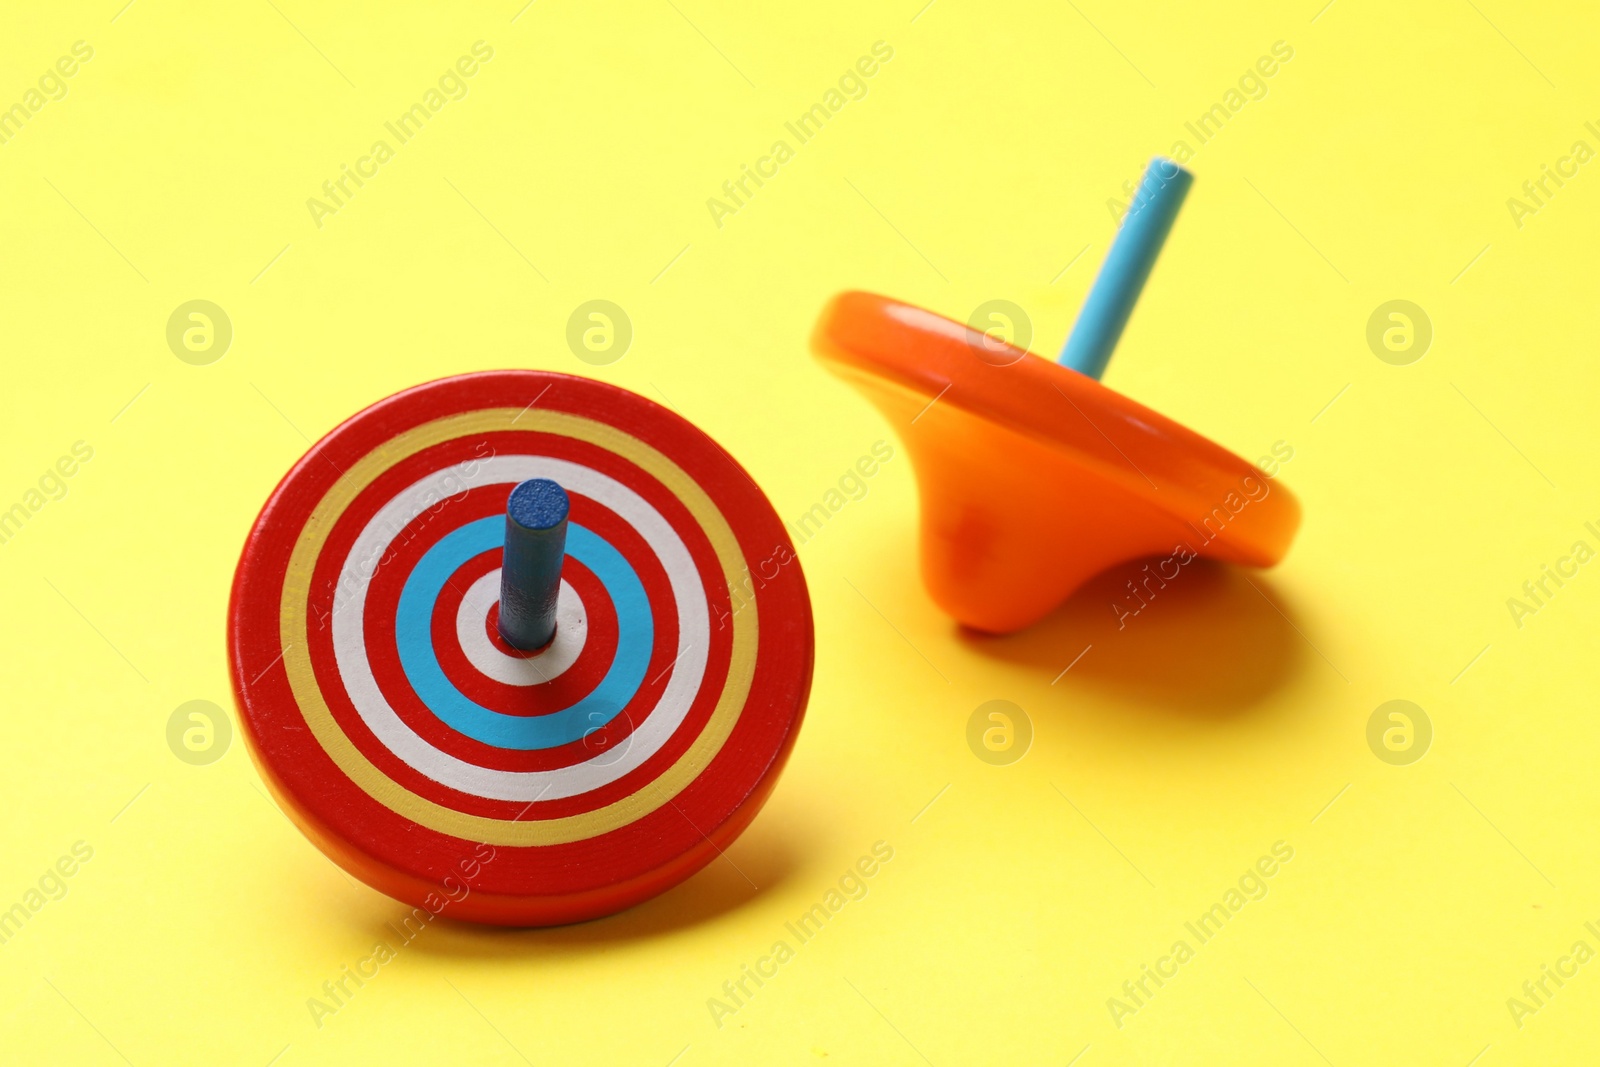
[[391, 794]]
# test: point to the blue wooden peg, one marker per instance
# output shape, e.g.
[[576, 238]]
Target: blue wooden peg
[[530, 573]]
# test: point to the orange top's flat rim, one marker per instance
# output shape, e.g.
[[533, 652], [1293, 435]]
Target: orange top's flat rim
[[866, 335]]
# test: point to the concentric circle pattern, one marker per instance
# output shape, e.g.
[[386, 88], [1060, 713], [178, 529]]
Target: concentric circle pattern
[[414, 746]]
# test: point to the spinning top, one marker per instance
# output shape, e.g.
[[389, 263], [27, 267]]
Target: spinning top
[[1034, 477], [519, 647]]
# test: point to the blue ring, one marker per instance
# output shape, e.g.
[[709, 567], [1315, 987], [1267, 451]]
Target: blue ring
[[413, 632]]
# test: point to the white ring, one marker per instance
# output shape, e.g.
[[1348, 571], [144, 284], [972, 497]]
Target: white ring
[[472, 632], [350, 649]]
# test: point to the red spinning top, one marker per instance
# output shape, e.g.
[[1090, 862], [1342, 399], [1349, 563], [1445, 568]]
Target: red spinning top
[[441, 763]]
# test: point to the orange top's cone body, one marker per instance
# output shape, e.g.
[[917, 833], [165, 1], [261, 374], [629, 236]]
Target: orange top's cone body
[[1034, 477]]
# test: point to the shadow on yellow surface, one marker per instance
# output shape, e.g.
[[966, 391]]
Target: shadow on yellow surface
[[764, 857], [1214, 641]]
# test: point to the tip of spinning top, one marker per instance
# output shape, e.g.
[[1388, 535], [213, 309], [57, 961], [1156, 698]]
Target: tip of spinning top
[[1033, 477], [538, 504]]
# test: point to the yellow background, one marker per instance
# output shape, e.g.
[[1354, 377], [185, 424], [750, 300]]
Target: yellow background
[[1171, 756]]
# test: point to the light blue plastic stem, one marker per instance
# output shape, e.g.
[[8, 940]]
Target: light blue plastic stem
[[1127, 266]]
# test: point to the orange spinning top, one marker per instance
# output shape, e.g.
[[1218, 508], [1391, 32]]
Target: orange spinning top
[[1034, 476]]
